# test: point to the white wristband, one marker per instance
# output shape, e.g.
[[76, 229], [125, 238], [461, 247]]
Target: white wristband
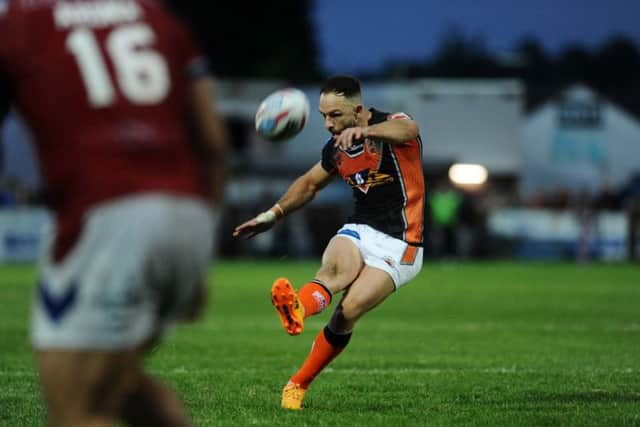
[[277, 206], [267, 216]]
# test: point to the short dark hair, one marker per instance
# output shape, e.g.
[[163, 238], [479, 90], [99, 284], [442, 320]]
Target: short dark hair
[[341, 84]]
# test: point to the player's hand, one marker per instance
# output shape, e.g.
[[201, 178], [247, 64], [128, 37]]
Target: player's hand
[[348, 136], [257, 225]]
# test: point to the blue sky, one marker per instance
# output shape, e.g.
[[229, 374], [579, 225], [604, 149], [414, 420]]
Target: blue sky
[[356, 35]]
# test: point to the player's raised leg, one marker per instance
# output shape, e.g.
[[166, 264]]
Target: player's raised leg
[[370, 288], [341, 263]]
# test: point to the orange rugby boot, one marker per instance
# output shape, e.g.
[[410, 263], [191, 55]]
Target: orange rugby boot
[[285, 300], [292, 396]]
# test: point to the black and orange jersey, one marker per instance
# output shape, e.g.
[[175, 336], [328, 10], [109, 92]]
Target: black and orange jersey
[[387, 182]]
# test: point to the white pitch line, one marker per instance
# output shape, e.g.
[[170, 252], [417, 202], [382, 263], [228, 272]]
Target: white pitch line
[[368, 371], [407, 371]]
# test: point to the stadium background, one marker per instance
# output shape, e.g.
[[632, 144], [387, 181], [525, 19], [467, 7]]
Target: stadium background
[[557, 131], [491, 331]]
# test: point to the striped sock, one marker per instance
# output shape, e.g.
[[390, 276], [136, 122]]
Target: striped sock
[[314, 297]]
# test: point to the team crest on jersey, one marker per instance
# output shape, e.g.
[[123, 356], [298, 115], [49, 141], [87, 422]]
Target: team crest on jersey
[[365, 179], [355, 150], [359, 165]]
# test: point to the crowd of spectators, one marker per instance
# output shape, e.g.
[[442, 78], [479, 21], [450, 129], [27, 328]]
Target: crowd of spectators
[[608, 198]]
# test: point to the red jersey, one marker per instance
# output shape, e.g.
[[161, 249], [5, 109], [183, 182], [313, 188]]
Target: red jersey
[[387, 182], [103, 86]]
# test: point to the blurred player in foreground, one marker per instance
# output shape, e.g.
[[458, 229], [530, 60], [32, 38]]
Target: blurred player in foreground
[[379, 249], [119, 102]]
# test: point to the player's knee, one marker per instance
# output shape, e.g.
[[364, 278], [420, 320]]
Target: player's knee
[[335, 271], [329, 270], [352, 309]]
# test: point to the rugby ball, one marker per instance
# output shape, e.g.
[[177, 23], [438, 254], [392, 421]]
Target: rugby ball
[[282, 114]]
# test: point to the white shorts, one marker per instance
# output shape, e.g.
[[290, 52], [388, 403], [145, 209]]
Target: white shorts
[[136, 268], [400, 260]]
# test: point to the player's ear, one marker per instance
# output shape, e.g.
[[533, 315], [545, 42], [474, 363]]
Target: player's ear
[[359, 108]]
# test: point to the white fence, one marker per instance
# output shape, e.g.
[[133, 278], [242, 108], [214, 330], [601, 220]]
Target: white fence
[[553, 234], [22, 233], [541, 233]]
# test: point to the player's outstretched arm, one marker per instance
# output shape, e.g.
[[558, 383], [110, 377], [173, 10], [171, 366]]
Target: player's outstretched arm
[[401, 128], [398, 129], [301, 192]]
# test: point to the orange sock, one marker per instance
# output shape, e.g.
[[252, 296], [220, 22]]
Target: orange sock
[[326, 347], [314, 297]]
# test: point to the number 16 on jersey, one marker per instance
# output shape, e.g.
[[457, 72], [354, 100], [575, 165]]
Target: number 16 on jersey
[[141, 73]]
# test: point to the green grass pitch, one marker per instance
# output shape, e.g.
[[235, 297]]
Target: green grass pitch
[[491, 344]]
